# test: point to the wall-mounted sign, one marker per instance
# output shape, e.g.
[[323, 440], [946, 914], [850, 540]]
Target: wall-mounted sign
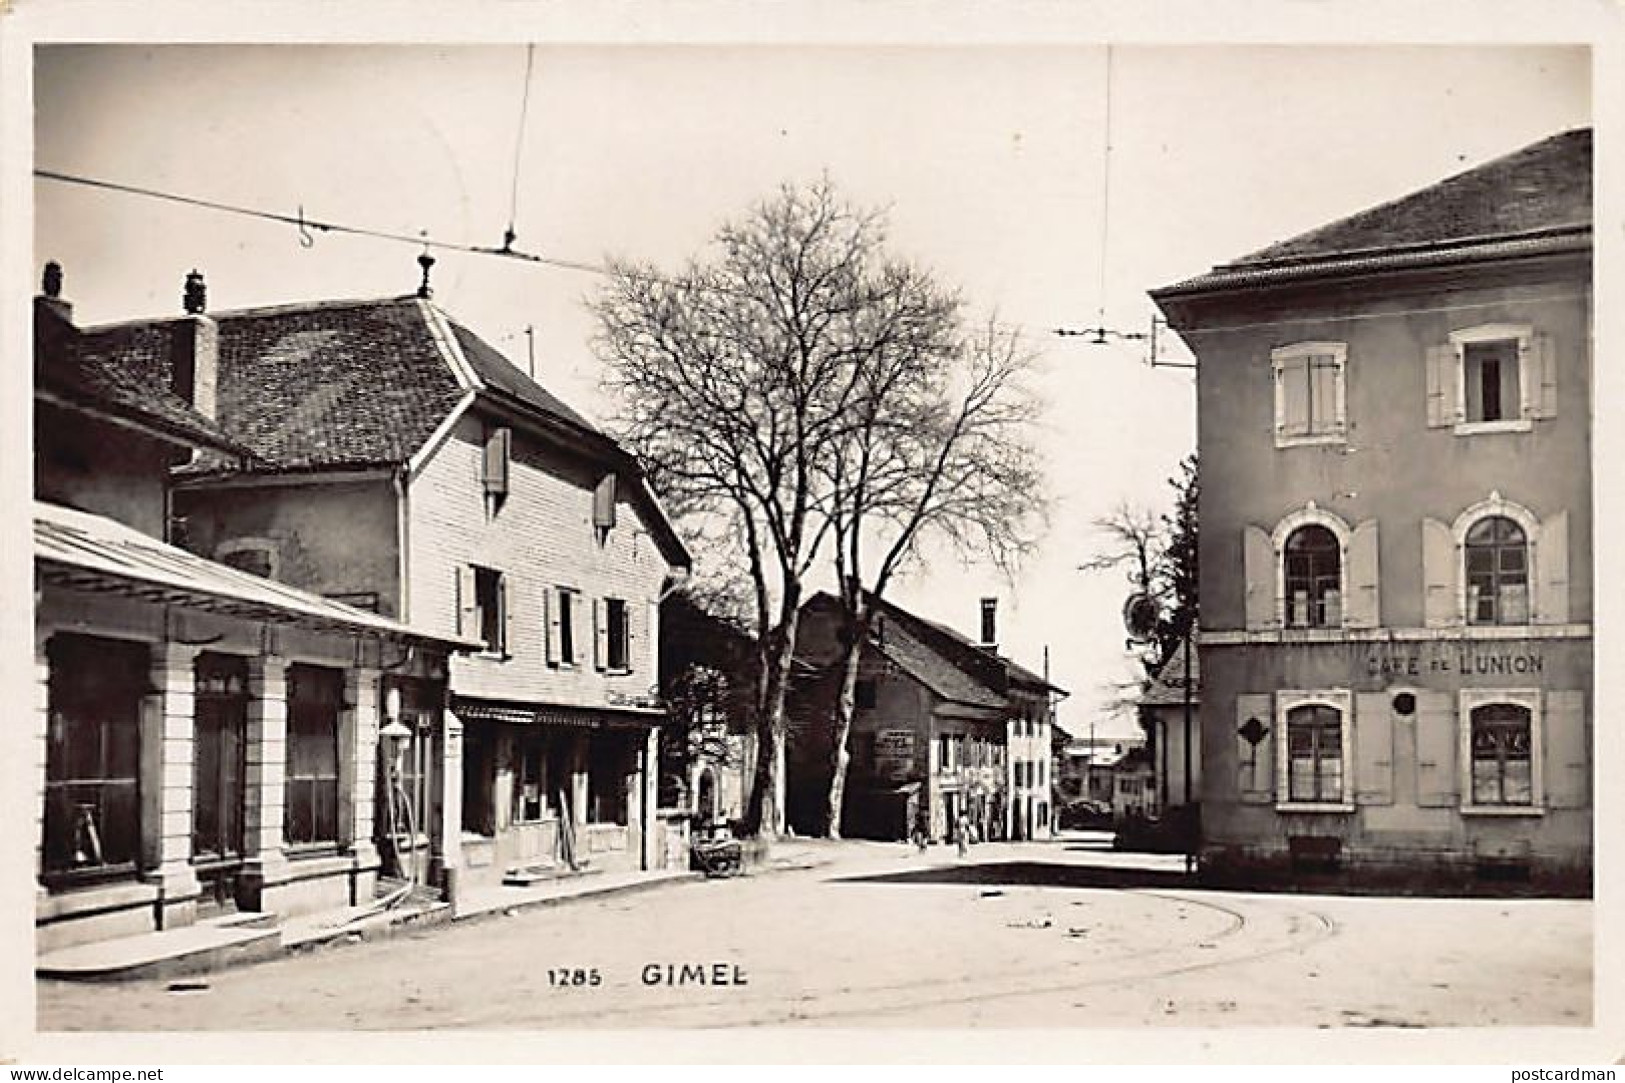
[[1456, 659], [894, 754]]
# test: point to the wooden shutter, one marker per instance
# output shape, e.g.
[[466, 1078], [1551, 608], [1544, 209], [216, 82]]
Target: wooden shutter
[[1439, 572], [495, 467], [1436, 739], [1255, 762], [1363, 607], [1568, 750], [603, 503], [1552, 570], [550, 626], [1441, 386], [1258, 560], [505, 608], [600, 634], [466, 602], [1543, 377], [1373, 749], [1292, 396]]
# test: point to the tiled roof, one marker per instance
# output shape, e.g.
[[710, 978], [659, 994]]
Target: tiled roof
[[1021, 674], [498, 372], [90, 552], [66, 370], [1530, 201], [933, 670], [1168, 687]]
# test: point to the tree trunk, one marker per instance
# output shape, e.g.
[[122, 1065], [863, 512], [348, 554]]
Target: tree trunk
[[764, 815], [845, 708]]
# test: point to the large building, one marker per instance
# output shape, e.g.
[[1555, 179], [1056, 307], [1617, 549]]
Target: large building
[[1396, 524], [401, 465], [206, 739], [942, 726]]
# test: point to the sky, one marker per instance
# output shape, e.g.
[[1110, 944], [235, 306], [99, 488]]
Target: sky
[[992, 161]]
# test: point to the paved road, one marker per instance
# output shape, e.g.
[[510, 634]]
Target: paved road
[[1037, 934]]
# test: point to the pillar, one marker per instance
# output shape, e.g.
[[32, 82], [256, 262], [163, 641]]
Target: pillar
[[578, 778], [358, 767], [167, 750], [446, 834], [40, 721], [265, 859], [650, 795]]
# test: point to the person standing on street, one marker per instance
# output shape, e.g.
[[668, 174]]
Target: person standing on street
[[962, 834]]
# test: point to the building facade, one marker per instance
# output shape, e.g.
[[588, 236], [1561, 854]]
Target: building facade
[[942, 727], [403, 466], [207, 740], [1396, 526]]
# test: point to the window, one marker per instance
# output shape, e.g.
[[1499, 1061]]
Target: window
[[561, 626], [530, 780], [864, 695], [617, 648], [315, 697], [93, 755], [1309, 393], [1314, 754], [608, 756], [488, 603], [1502, 764], [1497, 560], [1490, 378], [256, 556], [1314, 578]]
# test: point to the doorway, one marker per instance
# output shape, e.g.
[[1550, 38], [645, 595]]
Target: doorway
[[219, 768]]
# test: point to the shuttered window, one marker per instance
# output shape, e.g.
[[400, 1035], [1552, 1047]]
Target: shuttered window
[[1314, 579], [1497, 566], [1314, 737], [1309, 392], [1502, 761]]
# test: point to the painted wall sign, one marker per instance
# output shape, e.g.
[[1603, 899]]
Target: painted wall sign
[[894, 754], [1460, 659]]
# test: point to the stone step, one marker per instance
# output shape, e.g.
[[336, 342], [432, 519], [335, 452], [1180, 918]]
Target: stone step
[[536, 874], [242, 919]]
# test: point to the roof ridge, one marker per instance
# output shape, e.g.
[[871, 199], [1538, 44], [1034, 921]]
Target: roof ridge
[[1248, 262], [250, 312]]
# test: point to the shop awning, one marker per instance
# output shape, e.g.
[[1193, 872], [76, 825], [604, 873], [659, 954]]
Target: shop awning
[[85, 552], [552, 714]]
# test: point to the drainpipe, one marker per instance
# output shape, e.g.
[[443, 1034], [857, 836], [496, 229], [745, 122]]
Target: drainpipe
[[403, 528]]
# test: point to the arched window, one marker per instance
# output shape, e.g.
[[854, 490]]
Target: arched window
[[1497, 565], [1313, 577], [1502, 754], [1314, 734]]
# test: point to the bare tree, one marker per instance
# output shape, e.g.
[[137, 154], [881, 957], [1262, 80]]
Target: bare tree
[[938, 446], [736, 380]]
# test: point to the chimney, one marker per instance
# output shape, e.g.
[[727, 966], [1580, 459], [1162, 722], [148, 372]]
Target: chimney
[[194, 369], [51, 292], [990, 623]]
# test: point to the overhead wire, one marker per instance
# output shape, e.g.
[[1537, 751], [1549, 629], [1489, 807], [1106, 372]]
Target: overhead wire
[[518, 152]]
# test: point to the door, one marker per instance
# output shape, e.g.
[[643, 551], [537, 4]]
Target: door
[[219, 731]]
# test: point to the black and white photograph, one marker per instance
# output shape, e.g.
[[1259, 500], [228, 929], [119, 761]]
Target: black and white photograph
[[1061, 535]]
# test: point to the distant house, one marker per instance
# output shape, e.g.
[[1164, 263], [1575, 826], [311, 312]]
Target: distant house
[[402, 465], [1084, 767], [1396, 531], [1163, 716], [1134, 791], [207, 739], [942, 726]]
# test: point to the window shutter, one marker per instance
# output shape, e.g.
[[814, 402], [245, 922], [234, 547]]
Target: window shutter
[[1325, 374], [505, 609], [1373, 749], [1441, 386], [1552, 569], [1567, 752], [603, 503], [1543, 377], [550, 626], [1435, 750], [466, 602], [600, 634], [1258, 560], [495, 472], [1363, 607], [1292, 396], [1439, 572], [1255, 760]]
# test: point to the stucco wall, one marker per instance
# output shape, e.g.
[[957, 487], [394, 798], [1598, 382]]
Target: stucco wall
[[101, 468]]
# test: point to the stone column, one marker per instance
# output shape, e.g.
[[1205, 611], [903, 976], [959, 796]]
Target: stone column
[[265, 859], [650, 795], [358, 767], [446, 834], [167, 749]]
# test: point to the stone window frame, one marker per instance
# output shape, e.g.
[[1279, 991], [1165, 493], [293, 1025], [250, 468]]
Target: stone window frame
[[1280, 357], [1498, 506], [1311, 515], [1340, 700], [1531, 700]]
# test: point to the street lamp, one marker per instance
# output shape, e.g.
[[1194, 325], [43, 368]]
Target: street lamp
[[394, 738]]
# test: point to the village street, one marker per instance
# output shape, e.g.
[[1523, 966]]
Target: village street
[[1058, 933]]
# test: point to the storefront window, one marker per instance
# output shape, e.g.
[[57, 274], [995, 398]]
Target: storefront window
[[1502, 766], [1315, 748], [93, 755], [315, 697], [607, 760]]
